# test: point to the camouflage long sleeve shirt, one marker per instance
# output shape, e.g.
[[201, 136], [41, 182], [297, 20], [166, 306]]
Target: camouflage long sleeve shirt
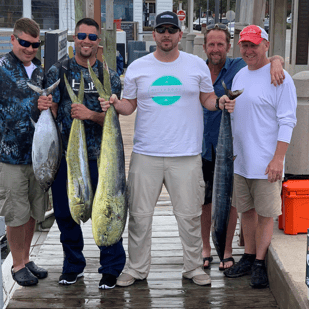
[[92, 129], [18, 104]]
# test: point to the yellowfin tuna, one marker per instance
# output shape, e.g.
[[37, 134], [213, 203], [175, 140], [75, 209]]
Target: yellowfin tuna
[[79, 188], [109, 210]]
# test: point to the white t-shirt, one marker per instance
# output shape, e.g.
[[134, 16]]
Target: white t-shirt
[[169, 120], [29, 69], [263, 115]]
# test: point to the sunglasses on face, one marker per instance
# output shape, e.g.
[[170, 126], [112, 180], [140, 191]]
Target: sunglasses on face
[[25, 43], [217, 26], [171, 30], [82, 36]]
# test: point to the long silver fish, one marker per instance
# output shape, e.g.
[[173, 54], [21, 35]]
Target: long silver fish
[[79, 188], [109, 210], [46, 145], [223, 179]]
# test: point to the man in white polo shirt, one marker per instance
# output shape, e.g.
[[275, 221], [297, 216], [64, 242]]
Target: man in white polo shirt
[[263, 121]]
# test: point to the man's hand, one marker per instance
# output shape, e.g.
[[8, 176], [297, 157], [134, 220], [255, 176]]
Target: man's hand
[[226, 103], [80, 111], [44, 102], [275, 169], [105, 105], [276, 71]]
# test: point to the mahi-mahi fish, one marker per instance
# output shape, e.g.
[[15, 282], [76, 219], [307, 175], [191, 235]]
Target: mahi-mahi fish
[[109, 210], [223, 178], [46, 145], [79, 187]]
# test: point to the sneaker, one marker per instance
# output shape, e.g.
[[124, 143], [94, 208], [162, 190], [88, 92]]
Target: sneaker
[[125, 280], [243, 267], [259, 279], [70, 278], [201, 279], [108, 281], [39, 272]]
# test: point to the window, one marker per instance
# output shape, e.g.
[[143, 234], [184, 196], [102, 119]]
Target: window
[[46, 13], [123, 9], [11, 10]]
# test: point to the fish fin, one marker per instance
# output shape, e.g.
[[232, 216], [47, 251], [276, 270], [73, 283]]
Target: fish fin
[[97, 82], [35, 88], [32, 121], [51, 153], [70, 91], [231, 94], [50, 89], [106, 78], [81, 89]]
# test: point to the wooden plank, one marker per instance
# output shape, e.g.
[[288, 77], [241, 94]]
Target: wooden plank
[[164, 287]]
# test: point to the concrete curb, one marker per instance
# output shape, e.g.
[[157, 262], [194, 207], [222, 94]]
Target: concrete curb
[[287, 275]]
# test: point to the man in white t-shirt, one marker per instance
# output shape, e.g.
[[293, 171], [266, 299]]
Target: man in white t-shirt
[[263, 122], [168, 89]]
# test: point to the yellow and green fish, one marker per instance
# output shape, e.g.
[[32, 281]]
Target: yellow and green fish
[[109, 209], [79, 187]]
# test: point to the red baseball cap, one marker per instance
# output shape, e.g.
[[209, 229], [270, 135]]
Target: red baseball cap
[[254, 34]]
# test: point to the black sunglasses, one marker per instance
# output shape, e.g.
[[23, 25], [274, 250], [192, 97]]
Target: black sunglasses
[[217, 26], [171, 30], [82, 36], [24, 43]]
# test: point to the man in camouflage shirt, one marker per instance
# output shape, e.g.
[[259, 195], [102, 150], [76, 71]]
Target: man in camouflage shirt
[[112, 258], [22, 201]]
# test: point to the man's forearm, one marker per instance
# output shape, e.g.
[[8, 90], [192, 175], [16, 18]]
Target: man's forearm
[[125, 106], [281, 150], [97, 117], [277, 57]]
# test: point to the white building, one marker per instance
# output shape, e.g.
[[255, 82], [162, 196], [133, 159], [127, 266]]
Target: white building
[[60, 14]]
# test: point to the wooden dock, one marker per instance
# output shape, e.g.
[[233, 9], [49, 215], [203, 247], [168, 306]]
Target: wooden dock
[[164, 287]]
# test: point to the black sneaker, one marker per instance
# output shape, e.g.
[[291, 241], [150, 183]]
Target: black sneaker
[[259, 279], [70, 278], [108, 281], [243, 267]]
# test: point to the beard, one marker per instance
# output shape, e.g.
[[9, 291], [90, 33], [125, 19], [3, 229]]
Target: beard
[[163, 47], [216, 61]]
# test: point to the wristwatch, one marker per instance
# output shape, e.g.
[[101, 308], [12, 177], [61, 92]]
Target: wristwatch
[[217, 104]]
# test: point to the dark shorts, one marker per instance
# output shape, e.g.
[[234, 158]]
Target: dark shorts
[[208, 175]]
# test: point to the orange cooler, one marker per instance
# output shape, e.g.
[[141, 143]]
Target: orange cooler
[[295, 207]]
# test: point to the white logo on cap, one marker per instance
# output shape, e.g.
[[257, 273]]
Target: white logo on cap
[[167, 16]]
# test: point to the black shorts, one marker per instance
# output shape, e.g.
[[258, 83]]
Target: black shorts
[[208, 175]]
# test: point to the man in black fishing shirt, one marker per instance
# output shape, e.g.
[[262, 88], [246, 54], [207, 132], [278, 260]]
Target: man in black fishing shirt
[[22, 201], [112, 258]]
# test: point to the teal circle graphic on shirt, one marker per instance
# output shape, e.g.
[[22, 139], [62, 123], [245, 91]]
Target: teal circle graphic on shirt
[[166, 90]]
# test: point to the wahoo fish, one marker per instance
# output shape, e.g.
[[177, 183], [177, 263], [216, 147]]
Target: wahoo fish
[[46, 144], [223, 179], [109, 210], [79, 188]]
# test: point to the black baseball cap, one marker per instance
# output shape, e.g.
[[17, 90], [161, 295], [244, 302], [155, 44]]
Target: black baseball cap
[[167, 18]]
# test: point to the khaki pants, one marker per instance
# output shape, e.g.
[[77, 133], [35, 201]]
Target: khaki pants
[[183, 179]]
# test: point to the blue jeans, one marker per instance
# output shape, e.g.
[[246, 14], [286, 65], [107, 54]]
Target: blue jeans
[[112, 258]]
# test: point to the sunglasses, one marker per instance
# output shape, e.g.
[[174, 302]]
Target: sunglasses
[[82, 36], [217, 26], [171, 30], [25, 43]]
